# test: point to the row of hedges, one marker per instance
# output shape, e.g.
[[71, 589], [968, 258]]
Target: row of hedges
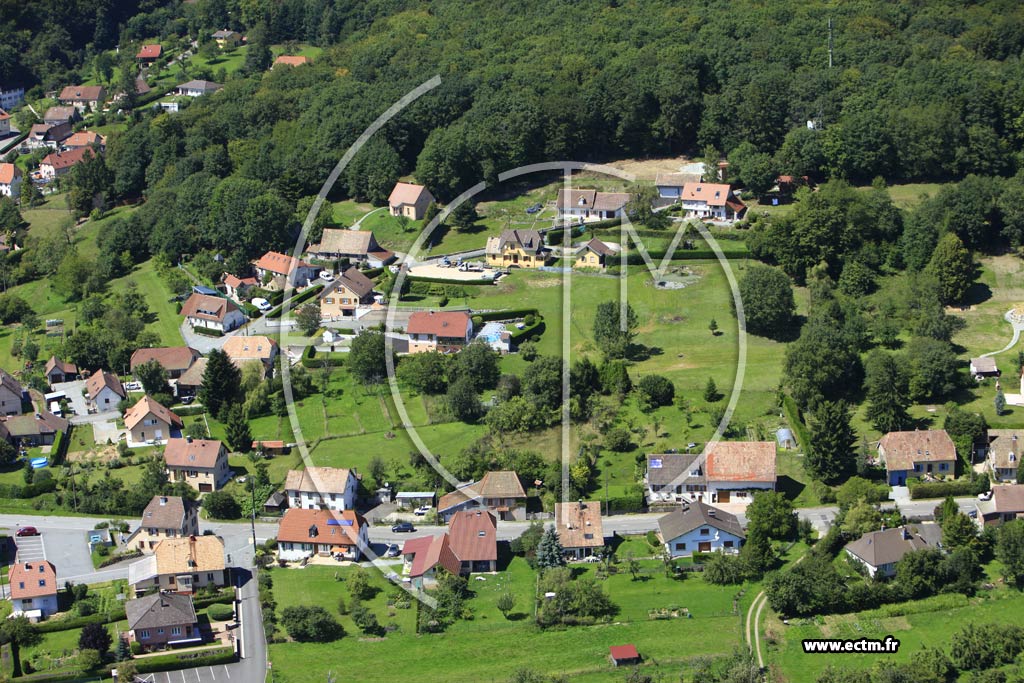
[[184, 660], [185, 411], [207, 331], [437, 289], [29, 490], [66, 623], [626, 503], [943, 489], [60, 447], [120, 557], [312, 359], [373, 273], [527, 333], [308, 294], [413, 279], [506, 314], [222, 597], [792, 412]]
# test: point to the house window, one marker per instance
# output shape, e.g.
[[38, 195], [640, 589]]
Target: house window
[[917, 467], [680, 546], [143, 635], [175, 630], [705, 531], [42, 583], [727, 544], [943, 466], [159, 631], [209, 576]]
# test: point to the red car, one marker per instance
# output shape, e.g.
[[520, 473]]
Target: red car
[[28, 531]]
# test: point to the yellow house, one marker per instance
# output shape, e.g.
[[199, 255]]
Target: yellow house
[[344, 294], [227, 38], [594, 254], [520, 248]]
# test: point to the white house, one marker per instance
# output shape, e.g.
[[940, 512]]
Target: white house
[[327, 533], [33, 587], [197, 88], [5, 123], [439, 331], [590, 205], [103, 391], [273, 267], [714, 201], [879, 551], [731, 472], [212, 312], [10, 181], [316, 488], [698, 527]]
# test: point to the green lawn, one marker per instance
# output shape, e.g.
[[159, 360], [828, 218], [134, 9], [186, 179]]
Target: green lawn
[[490, 647], [921, 623]]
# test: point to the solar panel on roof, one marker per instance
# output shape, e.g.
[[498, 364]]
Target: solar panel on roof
[[339, 522], [655, 462]]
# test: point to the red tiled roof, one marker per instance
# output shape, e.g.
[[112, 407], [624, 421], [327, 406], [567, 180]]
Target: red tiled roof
[[84, 138], [406, 193], [624, 652], [438, 323], [281, 264], [333, 527], [8, 172], [149, 52], [234, 281], [207, 307], [741, 461], [65, 368], [170, 357], [715, 194], [430, 551], [66, 159], [4, 115], [474, 535], [192, 453], [146, 406], [30, 574]]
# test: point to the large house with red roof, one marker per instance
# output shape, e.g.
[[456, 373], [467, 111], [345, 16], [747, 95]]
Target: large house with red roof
[[730, 472], [200, 463], [57, 164], [921, 453], [275, 269], [174, 359], [445, 331], [470, 545], [148, 54], [712, 201], [327, 533], [149, 422]]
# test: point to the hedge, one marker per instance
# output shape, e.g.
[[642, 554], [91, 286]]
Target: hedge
[[309, 293], [372, 272], [221, 612], [796, 422], [626, 503], [507, 314], [29, 490], [535, 330], [184, 660], [207, 331], [311, 359], [120, 557], [447, 281], [186, 411], [54, 625], [944, 489], [222, 598]]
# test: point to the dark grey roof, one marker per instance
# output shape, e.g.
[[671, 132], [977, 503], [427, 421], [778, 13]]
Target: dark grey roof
[[670, 468], [7, 380], [160, 610], [885, 547], [694, 515]]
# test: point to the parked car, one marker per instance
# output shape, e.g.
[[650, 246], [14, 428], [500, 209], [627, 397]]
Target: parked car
[[403, 527], [392, 551], [422, 510], [28, 531], [326, 275], [262, 304], [534, 209]]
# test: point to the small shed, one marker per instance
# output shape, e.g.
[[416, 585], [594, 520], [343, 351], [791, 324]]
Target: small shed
[[201, 289], [276, 502], [784, 436], [414, 499], [624, 654], [271, 447], [984, 367]]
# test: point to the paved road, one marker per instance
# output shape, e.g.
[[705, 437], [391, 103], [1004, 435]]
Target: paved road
[[65, 547]]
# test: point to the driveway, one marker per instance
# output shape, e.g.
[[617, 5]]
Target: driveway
[[200, 342], [76, 398], [30, 549]]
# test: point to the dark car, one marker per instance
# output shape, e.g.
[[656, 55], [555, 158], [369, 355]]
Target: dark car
[[534, 209], [402, 527], [28, 531], [392, 551]]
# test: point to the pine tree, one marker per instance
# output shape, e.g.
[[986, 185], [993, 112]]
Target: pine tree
[[888, 392], [222, 382], [549, 551], [239, 437], [1000, 402], [711, 391], [831, 458]]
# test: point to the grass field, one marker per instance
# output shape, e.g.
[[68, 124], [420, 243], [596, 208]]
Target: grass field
[[489, 647], [916, 624]]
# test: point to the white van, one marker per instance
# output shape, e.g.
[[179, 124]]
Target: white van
[[261, 304], [55, 408]]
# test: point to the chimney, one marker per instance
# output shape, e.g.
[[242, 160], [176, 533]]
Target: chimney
[[188, 439], [163, 500]]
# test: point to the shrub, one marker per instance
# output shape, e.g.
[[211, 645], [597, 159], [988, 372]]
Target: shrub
[[136, 647], [207, 331], [655, 391], [618, 439], [968, 486], [219, 612], [311, 624]]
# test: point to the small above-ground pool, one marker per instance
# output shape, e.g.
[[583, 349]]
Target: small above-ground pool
[[38, 463]]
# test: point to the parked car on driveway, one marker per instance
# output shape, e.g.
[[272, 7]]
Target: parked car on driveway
[[422, 510], [28, 531], [403, 527], [392, 551], [262, 304]]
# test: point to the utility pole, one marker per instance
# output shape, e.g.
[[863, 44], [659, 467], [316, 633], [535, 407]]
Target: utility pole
[[830, 42], [252, 497]]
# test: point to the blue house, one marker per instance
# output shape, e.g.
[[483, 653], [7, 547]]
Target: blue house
[[698, 527]]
